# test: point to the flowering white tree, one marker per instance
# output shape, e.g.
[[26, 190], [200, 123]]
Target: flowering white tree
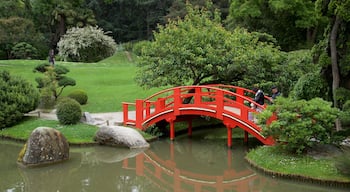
[[88, 44]]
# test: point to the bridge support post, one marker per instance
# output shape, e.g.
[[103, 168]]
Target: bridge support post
[[245, 137], [189, 127]]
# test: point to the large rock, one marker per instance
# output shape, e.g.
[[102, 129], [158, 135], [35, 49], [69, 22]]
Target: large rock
[[44, 146], [120, 136]]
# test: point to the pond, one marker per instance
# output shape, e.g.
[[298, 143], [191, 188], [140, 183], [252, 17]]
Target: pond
[[186, 164]]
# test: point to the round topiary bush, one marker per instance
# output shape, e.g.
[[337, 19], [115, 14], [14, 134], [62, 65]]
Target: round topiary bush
[[17, 97], [68, 111], [79, 95]]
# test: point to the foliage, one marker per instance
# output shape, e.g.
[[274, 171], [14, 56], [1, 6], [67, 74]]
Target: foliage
[[345, 114], [154, 131], [24, 50], [137, 47], [131, 20], [198, 50], [54, 80], [343, 162], [17, 97], [295, 65], [68, 111], [79, 95], [309, 86], [300, 123], [294, 24], [88, 44], [54, 17], [14, 30], [342, 96]]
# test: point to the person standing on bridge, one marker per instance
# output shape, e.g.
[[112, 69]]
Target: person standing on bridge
[[259, 96], [275, 92]]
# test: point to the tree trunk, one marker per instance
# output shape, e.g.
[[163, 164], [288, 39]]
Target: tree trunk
[[335, 68]]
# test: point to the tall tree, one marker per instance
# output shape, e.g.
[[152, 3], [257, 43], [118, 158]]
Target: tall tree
[[54, 17], [337, 45], [130, 20]]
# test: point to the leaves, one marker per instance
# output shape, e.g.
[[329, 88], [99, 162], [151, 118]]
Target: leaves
[[300, 123]]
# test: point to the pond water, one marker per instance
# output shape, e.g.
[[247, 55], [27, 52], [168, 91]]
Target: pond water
[[185, 164]]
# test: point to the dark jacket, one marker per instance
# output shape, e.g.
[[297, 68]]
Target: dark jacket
[[259, 97]]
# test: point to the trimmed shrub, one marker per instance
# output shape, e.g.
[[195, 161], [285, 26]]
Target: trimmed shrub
[[17, 97], [79, 95], [24, 50], [68, 111]]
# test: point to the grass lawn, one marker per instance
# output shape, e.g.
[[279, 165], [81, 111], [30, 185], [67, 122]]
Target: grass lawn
[[108, 83], [275, 160]]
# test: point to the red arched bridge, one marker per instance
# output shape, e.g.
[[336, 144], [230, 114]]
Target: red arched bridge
[[230, 104]]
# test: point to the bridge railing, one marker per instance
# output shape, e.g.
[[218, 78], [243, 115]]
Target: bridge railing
[[210, 96]]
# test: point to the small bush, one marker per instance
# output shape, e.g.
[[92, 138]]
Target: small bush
[[79, 95], [68, 111], [24, 50], [17, 97]]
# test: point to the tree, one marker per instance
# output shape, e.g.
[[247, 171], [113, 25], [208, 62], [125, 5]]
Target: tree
[[295, 24], [88, 44], [178, 7], [17, 97], [54, 17], [54, 80], [14, 30], [336, 44], [130, 20], [198, 50]]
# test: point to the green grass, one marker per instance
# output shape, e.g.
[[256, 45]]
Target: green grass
[[75, 134], [108, 83], [274, 159]]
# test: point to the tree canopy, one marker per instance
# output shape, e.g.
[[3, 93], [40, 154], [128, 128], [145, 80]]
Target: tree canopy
[[199, 50]]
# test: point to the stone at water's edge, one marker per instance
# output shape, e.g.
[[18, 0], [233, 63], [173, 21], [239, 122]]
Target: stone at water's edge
[[120, 136], [44, 146]]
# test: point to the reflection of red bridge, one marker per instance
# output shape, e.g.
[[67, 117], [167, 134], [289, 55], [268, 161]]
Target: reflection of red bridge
[[230, 104], [169, 177]]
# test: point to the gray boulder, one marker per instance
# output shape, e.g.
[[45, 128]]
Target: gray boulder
[[44, 146], [120, 136]]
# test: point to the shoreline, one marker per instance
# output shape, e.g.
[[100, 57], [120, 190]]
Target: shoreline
[[296, 177]]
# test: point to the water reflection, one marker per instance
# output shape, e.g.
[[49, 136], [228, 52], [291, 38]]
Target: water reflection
[[183, 165]]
